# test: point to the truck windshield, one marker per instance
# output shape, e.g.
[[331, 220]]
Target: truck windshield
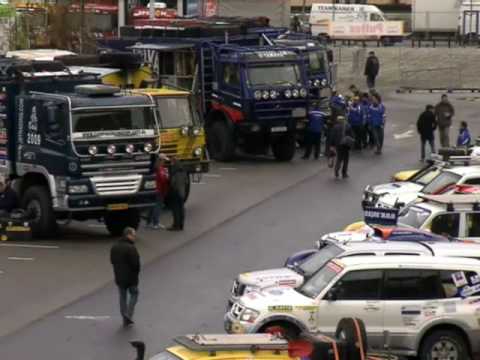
[[313, 287], [281, 74], [316, 60], [317, 261], [174, 112], [95, 120], [413, 216]]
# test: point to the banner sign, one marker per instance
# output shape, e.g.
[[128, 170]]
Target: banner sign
[[380, 216], [365, 29]]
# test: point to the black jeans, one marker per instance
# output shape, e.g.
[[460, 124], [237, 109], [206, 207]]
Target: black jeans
[[343, 156], [359, 133], [178, 209], [312, 140], [378, 137], [431, 142], [371, 81]]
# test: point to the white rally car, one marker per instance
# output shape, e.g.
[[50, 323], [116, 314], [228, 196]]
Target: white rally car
[[416, 305]]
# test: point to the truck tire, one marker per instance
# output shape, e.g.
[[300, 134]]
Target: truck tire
[[283, 148], [38, 204], [353, 334], [448, 342], [117, 221], [220, 141]]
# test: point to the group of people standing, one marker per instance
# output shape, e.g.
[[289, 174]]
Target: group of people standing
[[355, 123], [440, 117]]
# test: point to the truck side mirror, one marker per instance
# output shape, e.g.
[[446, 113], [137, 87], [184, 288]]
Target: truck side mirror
[[332, 294]]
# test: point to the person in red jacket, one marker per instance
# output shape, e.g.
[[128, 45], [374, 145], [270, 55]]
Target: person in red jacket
[[162, 182]]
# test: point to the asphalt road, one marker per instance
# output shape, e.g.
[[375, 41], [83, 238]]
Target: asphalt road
[[57, 300]]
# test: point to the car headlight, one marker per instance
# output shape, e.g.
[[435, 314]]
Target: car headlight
[[265, 95], [288, 93], [257, 95], [148, 147], [316, 83], [130, 148], [295, 93], [77, 189], [184, 130], [198, 151], [93, 150], [149, 185], [111, 149], [196, 131], [303, 92], [324, 82], [273, 94], [249, 315]]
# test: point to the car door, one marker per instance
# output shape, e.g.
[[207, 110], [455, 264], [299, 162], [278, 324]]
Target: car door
[[406, 294], [355, 294], [446, 224]]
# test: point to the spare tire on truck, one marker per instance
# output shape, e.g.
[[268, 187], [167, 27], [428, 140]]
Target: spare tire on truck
[[353, 334]]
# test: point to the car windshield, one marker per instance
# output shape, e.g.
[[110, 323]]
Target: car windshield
[[425, 177], [413, 216], [165, 355], [268, 75], [443, 180], [313, 287], [174, 112], [319, 259], [88, 121], [316, 60]]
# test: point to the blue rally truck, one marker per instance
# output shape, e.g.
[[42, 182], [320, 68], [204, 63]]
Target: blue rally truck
[[74, 149], [251, 95]]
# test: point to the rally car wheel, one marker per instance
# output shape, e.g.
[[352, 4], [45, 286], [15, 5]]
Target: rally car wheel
[[444, 344], [286, 330], [117, 221], [353, 334]]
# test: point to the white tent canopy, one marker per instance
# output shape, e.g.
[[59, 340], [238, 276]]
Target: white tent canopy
[[278, 11]]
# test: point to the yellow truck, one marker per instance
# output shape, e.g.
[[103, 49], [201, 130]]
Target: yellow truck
[[181, 131]]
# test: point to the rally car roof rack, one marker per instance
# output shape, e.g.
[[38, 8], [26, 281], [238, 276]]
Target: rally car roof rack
[[224, 342], [454, 199]]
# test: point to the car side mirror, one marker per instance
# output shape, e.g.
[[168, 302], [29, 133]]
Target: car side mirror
[[332, 294]]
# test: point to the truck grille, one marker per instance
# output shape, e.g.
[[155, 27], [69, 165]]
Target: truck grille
[[169, 149], [116, 185]]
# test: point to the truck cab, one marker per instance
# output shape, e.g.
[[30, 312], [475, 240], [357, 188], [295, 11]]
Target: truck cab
[[84, 151], [181, 131]]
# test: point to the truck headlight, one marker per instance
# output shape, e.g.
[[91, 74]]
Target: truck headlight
[[265, 95], [148, 147], [324, 82], [249, 315], [257, 95], [295, 93], [198, 151], [196, 131], [130, 148], [149, 185], [303, 93], [273, 94], [184, 130], [288, 93], [93, 150], [316, 83], [111, 149], [77, 189]]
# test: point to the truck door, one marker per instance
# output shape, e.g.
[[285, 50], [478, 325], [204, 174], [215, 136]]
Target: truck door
[[470, 24]]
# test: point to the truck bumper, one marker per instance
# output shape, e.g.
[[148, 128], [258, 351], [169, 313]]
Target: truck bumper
[[141, 199]]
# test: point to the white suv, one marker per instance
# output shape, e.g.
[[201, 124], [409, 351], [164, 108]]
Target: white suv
[[415, 305]]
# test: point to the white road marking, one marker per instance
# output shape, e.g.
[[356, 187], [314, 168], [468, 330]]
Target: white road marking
[[31, 246], [405, 135], [20, 258], [228, 168], [87, 317], [212, 175]]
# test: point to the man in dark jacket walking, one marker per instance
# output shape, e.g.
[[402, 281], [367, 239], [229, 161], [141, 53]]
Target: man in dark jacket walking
[[342, 142], [176, 194], [125, 260], [444, 111], [426, 126], [372, 68]]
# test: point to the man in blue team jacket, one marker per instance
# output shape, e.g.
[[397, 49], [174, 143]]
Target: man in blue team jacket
[[356, 120], [313, 134]]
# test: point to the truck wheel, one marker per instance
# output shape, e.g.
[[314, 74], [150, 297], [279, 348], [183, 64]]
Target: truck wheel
[[444, 344], [353, 334], [221, 145], [284, 148], [117, 221], [37, 203]]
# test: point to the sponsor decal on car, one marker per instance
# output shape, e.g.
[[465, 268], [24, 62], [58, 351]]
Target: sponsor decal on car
[[280, 308]]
